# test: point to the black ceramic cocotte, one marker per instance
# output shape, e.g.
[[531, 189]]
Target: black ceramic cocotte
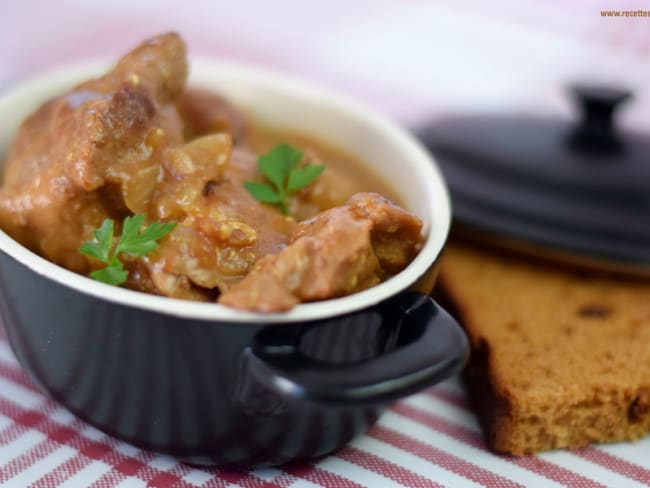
[[213, 385]]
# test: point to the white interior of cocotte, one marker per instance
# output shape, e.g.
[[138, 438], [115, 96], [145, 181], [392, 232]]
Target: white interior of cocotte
[[279, 101]]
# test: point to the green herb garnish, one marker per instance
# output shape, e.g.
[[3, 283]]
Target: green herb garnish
[[280, 167], [134, 240]]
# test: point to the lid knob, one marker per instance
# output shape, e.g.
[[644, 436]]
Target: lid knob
[[596, 130]]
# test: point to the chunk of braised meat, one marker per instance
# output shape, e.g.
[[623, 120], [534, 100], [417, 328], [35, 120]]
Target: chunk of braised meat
[[113, 146], [340, 251], [396, 234], [205, 112], [93, 152], [223, 230]]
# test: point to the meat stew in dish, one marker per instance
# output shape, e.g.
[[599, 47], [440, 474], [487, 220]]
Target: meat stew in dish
[[138, 142]]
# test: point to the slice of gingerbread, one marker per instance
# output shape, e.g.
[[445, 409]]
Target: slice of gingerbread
[[560, 357]]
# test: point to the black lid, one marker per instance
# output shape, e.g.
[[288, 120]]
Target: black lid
[[580, 188]]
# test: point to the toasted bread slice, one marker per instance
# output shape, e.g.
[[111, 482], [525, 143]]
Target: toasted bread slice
[[560, 357]]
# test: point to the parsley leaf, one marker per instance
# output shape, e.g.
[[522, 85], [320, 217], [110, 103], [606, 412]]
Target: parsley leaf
[[100, 247], [262, 192], [135, 240], [113, 274], [280, 167], [141, 243], [302, 177]]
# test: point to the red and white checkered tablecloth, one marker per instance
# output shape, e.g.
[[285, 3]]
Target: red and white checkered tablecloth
[[413, 59], [428, 440]]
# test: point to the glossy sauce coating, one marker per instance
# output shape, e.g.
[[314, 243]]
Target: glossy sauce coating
[[137, 141]]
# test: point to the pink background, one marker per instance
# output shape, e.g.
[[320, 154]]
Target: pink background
[[411, 58]]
